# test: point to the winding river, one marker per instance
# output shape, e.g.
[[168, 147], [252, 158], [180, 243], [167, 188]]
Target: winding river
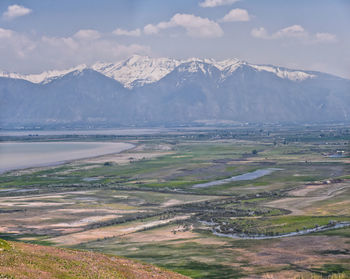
[[301, 232]]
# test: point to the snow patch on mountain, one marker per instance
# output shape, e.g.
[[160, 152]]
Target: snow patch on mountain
[[283, 73], [44, 77], [231, 64], [194, 66]]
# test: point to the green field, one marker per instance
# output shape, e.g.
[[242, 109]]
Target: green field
[[141, 203]]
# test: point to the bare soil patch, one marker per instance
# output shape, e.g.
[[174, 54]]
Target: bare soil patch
[[111, 231]]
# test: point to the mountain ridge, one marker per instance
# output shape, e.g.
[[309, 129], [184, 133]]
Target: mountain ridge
[[139, 70], [193, 91]]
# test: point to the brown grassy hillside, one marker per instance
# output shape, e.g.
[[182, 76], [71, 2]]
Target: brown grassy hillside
[[21, 260]]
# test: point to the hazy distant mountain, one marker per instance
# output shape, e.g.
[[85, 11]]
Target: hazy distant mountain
[[145, 91]]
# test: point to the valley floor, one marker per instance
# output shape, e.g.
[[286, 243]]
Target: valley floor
[[142, 203]]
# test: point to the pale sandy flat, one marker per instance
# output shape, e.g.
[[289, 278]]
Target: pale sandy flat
[[167, 234], [111, 231]]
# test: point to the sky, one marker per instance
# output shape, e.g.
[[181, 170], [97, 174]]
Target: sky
[[39, 35]]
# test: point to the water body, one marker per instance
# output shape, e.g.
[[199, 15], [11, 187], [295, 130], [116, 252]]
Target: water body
[[114, 132], [12, 190], [89, 179], [246, 176], [336, 156], [302, 232], [14, 155]]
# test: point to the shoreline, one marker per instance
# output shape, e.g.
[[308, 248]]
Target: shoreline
[[97, 151]]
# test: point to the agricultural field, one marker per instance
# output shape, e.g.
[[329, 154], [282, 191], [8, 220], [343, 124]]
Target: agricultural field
[[267, 202]]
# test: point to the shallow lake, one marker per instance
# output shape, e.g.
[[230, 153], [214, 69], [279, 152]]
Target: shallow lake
[[117, 132], [14, 155], [246, 176]]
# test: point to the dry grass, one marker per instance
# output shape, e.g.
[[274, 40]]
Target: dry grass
[[33, 261], [305, 199]]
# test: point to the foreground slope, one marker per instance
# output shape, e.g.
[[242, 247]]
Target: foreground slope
[[20, 260]]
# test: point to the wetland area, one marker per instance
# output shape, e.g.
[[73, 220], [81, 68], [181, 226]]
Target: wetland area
[[271, 201]]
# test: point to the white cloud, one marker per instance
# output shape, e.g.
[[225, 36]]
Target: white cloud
[[236, 15], [325, 38], [30, 53], [123, 32], [5, 33], [61, 42], [296, 33], [71, 49], [14, 11], [87, 34], [216, 3], [259, 33], [14, 45], [195, 26], [150, 29]]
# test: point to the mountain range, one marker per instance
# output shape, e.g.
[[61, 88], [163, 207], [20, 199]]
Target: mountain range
[[144, 91]]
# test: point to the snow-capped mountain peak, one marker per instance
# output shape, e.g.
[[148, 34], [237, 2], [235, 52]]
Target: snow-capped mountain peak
[[197, 66], [228, 63], [139, 70]]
